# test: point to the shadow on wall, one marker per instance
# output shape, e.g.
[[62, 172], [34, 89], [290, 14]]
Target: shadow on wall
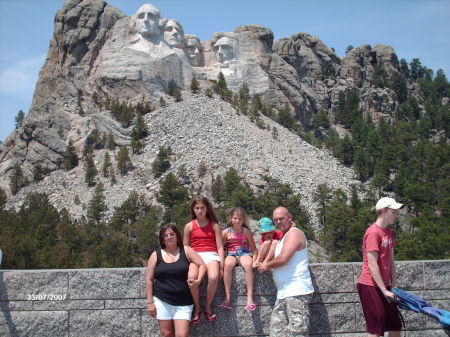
[[319, 320], [4, 306]]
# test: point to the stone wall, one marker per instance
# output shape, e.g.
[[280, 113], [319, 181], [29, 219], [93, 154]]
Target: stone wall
[[111, 302]]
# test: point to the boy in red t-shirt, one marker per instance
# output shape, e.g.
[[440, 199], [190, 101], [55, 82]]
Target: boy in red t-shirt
[[379, 274], [268, 241]]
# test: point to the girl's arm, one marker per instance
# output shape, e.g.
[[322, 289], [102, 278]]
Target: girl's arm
[[251, 243], [224, 238], [219, 244], [194, 258], [187, 234], [149, 284]]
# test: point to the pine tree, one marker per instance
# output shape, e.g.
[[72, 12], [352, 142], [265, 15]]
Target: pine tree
[[97, 206], [284, 117], [110, 143], [322, 197], [194, 85], [112, 174], [162, 161], [3, 198], [172, 88], [217, 189], [171, 191], [139, 131], [123, 160], [106, 164], [38, 172], [221, 83], [90, 171], [70, 158], [19, 119], [379, 79], [17, 179]]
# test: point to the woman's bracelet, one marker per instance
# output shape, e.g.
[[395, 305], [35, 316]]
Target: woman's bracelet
[[150, 302]]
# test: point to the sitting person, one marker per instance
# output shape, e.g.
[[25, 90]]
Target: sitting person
[[203, 234], [268, 241], [241, 248]]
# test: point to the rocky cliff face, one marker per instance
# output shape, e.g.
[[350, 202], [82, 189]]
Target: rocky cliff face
[[98, 51]]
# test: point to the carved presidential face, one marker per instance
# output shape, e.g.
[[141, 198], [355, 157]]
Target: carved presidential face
[[193, 49], [224, 51], [147, 21], [173, 34]]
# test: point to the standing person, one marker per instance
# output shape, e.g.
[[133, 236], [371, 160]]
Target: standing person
[[379, 274], [268, 240], [168, 297], [203, 234], [241, 248], [290, 315]]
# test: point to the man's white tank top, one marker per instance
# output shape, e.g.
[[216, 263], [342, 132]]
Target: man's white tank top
[[293, 278]]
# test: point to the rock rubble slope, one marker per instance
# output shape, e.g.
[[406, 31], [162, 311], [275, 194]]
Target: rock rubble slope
[[209, 132]]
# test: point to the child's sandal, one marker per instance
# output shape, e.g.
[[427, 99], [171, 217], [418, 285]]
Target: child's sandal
[[210, 316], [196, 318], [250, 307], [225, 305]]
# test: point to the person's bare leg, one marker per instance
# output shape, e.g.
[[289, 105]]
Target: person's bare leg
[[195, 290], [394, 333], [181, 327], [247, 263], [212, 269], [166, 328], [230, 263]]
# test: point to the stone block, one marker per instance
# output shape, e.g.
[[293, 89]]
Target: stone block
[[426, 333], [410, 275], [150, 326], [332, 278], [16, 305], [259, 300], [327, 318], [34, 323], [437, 274], [335, 298], [126, 304], [242, 322], [105, 283], [69, 305], [111, 323], [19, 285]]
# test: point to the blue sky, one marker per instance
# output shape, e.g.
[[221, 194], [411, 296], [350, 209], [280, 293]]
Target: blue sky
[[414, 28]]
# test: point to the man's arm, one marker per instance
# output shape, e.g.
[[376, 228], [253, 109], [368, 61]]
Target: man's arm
[[294, 240], [393, 271], [372, 259]]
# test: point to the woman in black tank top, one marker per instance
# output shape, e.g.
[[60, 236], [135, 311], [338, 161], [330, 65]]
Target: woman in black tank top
[[168, 284]]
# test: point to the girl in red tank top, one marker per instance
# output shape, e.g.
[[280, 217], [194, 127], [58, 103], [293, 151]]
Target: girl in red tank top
[[204, 235]]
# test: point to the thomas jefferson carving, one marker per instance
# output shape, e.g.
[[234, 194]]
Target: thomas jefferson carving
[[173, 34]]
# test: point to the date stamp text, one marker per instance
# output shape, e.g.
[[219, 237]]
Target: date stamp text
[[46, 297]]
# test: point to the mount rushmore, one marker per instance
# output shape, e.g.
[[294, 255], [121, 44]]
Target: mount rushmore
[[98, 54]]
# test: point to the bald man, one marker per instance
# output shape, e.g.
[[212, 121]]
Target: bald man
[[290, 315]]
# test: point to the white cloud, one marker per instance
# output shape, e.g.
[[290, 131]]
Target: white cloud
[[20, 78]]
